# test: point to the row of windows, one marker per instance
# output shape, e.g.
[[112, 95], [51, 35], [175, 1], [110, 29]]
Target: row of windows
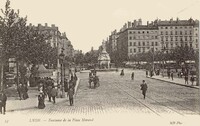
[[185, 38], [143, 43], [176, 27], [178, 44], [142, 32], [176, 32], [143, 37], [141, 49]]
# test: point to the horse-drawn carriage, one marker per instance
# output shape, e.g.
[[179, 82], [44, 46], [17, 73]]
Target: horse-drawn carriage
[[93, 79]]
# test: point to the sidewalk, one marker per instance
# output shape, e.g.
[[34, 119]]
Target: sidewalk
[[14, 104], [177, 81]]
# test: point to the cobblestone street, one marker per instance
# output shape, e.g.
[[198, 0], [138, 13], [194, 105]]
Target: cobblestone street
[[118, 94]]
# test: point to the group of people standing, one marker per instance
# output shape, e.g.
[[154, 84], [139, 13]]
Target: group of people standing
[[22, 90], [49, 90]]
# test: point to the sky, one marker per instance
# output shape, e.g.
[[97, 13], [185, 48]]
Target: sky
[[88, 22]]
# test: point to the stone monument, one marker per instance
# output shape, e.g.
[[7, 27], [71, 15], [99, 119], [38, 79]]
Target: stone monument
[[104, 58]]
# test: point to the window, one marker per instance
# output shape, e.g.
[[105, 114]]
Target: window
[[196, 45], [138, 43], [156, 43], [134, 50], [130, 32], [147, 31], [185, 38], [161, 32], [130, 38], [166, 45], [171, 27], [138, 32], [143, 32], [186, 44], [181, 39], [143, 43], [176, 38], [166, 38], [161, 27], [175, 27], [171, 38], [166, 33], [191, 45], [176, 32], [190, 38], [152, 43], [156, 37], [180, 32], [139, 49], [171, 32], [162, 38], [147, 43], [185, 32], [196, 40], [130, 43], [190, 32], [166, 27], [143, 49], [130, 50], [134, 43], [172, 45]]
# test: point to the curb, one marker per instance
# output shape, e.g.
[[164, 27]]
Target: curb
[[174, 83]]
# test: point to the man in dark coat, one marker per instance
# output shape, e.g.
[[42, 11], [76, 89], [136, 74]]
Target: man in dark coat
[[132, 76], [49, 88], [54, 94], [3, 99], [70, 94], [20, 91], [144, 88]]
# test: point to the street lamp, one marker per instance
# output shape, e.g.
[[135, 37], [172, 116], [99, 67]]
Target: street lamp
[[61, 58]]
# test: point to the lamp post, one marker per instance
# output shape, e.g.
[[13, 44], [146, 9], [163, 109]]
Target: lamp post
[[61, 58], [163, 67]]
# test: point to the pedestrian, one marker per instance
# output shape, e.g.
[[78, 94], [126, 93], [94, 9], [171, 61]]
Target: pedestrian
[[146, 73], [49, 88], [70, 94], [144, 88], [66, 85], [168, 74], [54, 94], [3, 99], [20, 92], [26, 91], [186, 78], [132, 76], [41, 98], [172, 75], [192, 79], [122, 72]]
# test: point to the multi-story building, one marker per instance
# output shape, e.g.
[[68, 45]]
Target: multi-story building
[[136, 38], [177, 32]]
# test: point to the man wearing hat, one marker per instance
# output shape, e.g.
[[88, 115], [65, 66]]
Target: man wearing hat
[[3, 99], [144, 88]]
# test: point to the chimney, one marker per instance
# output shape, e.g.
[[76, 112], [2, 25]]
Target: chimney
[[147, 23], [140, 21], [129, 24], [53, 25], [46, 25]]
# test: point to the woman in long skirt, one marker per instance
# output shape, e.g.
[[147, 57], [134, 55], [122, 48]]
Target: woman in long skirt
[[41, 98]]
